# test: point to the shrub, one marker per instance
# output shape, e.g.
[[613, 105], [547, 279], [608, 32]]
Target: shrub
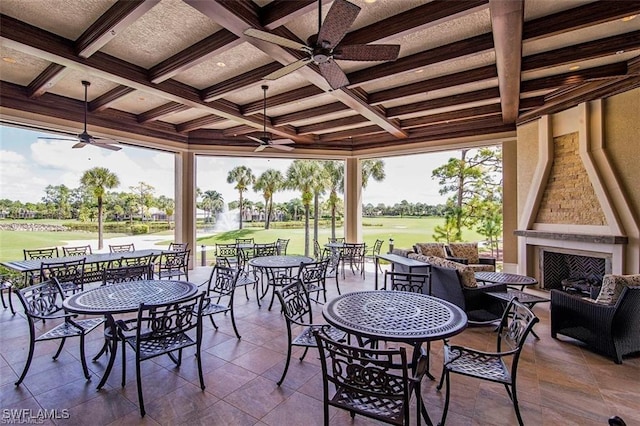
[[140, 229]]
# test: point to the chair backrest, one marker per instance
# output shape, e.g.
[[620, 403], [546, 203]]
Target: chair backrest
[[295, 303], [121, 248], [314, 273], [41, 300], [125, 274], [77, 251], [336, 240], [173, 261], [317, 251], [367, 375], [517, 322], [45, 253], [245, 241], [411, 282], [281, 245], [71, 271], [445, 284], [230, 251], [222, 281], [334, 257], [377, 246], [268, 249], [223, 262], [178, 246], [135, 261], [161, 322], [353, 250]]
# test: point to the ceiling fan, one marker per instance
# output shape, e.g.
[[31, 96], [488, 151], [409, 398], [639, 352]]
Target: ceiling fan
[[85, 138], [265, 140], [323, 48]]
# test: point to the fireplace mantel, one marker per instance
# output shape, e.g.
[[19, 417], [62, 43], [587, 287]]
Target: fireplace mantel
[[584, 238]]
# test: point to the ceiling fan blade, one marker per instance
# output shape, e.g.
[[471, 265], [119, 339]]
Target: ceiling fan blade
[[287, 69], [253, 138], [275, 39], [337, 22], [282, 147], [367, 52], [282, 142], [107, 146], [260, 148], [334, 75], [57, 139], [79, 145]]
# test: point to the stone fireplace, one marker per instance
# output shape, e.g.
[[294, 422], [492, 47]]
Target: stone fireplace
[[557, 265]]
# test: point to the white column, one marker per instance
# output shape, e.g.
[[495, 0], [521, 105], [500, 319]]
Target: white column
[[185, 196], [353, 200]]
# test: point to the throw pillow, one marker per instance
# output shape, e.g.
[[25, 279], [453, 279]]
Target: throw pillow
[[467, 251], [467, 274], [431, 249], [612, 286]]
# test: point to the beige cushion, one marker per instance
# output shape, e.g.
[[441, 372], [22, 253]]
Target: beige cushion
[[467, 251], [431, 249], [612, 286], [467, 275]]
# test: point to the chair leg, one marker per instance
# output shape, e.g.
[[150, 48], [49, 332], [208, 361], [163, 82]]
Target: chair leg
[[199, 359], [304, 353], [83, 360], [64, 339], [514, 398], [246, 292], [124, 363], [233, 322], [139, 383], [444, 371], [213, 322], [32, 344], [446, 400], [338, 284], [286, 364]]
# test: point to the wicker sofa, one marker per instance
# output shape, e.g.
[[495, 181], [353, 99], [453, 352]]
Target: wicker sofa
[[466, 253], [608, 324]]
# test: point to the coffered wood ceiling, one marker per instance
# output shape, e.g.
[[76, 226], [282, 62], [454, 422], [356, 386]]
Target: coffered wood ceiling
[[183, 74]]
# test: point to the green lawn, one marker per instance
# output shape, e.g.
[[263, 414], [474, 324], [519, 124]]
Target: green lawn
[[404, 231]]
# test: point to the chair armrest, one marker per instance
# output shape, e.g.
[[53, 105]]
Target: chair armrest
[[487, 261], [462, 260], [567, 309], [481, 353]]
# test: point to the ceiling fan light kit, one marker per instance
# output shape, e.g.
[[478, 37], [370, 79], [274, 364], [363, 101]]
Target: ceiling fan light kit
[[324, 47]]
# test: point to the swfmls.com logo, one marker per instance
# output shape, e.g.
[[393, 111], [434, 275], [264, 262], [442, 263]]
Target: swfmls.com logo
[[30, 416]]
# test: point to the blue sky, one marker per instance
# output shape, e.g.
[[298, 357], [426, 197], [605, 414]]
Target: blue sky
[[28, 164]]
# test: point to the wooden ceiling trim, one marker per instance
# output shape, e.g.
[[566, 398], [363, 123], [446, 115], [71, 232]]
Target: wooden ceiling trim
[[198, 123], [310, 112], [105, 100], [579, 17], [352, 133], [235, 18], [237, 83], [475, 75], [416, 19], [633, 65], [546, 83], [447, 101], [451, 51], [445, 117], [332, 124], [238, 130], [161, 111], [582, 93], [40, 43], [507, 18], [291, 96], [206, 48], [45, 80], [580, 52], [60, 107], [122, 14]]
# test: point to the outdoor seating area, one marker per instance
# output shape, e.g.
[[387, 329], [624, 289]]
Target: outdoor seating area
[[250, 369]]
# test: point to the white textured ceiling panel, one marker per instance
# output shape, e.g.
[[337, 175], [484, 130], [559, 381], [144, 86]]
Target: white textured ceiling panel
[[18, 67]]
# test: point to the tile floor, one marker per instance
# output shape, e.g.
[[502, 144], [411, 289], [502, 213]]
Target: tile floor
[[559, 382]]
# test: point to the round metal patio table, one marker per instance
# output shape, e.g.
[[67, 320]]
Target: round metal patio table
[[506, 278], [397, 316], [124, 298], [279, 266]]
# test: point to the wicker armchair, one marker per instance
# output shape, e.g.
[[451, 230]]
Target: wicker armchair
[[609, 329]]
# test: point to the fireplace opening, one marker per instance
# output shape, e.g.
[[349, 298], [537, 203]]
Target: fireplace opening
[[565, 269]]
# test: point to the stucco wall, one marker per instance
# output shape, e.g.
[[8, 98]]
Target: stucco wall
[[527, 152]]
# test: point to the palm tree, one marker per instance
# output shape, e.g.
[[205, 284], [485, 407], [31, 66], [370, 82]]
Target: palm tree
[[320, 184], [212, 202], [242, 177], [98, 180], [269, 182], [334, 170], [300, 176], [372, 169]]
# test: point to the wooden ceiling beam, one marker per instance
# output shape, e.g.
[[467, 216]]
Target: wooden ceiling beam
[[240, 82], [281, 12], [198, 123], [207, 48], [46, 80], [236, 19], [507, 17], [291, 96], [332, 124], [588, 15], [110, 24], [583, 51], [37, 42], [310, 112], [446, 117], [105, 100], [573, 77], [416, 19], [344, 134], [161, 111]]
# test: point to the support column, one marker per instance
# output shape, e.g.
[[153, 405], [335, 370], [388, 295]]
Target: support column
[[353, 200], [185, 196], [509, 206]]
